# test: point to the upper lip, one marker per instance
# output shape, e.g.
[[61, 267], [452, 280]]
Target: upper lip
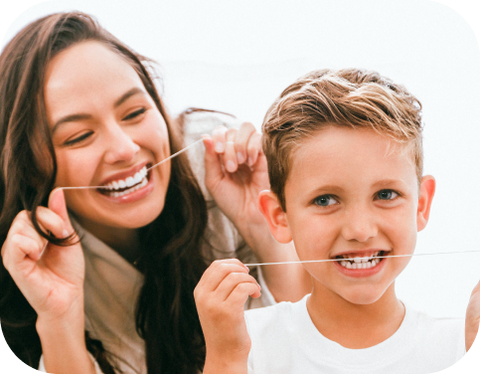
[[123, 174], [360, 253]]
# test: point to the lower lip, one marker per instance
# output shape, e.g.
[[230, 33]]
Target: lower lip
[[133, 196], [361, 273]]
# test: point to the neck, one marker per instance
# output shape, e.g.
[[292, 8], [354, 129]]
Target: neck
[[124, 241], [352, 325]]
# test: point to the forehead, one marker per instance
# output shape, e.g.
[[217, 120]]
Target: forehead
[[87, 73], [341, 155]]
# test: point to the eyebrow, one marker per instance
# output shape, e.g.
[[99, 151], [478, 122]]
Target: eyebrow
[[85, 116]]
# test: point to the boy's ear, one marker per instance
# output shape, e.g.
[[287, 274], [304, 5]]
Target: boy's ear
[[427, 190], [275, 216]]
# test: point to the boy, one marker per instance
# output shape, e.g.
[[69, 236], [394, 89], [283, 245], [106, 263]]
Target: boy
[[344, 153]]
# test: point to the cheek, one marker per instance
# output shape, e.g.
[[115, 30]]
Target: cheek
[[74, 168], [314, 237]]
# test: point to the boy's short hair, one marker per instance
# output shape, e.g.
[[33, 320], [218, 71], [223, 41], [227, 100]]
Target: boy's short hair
[[352, 98]]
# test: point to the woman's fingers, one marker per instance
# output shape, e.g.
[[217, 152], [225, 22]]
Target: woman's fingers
[[236, 146], [57, 205], [242, 141]]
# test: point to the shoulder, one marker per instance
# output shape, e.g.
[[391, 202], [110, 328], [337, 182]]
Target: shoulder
[[438, 338]]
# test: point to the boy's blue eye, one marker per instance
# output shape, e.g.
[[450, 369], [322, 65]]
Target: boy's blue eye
[[325, 200], [386, 195]]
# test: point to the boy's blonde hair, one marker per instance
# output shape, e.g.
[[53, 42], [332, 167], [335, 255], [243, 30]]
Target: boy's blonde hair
[[349, 97]]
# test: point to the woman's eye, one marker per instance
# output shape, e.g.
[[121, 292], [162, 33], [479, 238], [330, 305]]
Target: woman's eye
[[325, 200], [78, 139], [134, 114], [386, 195]]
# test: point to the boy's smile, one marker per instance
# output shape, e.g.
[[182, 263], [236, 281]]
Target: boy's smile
[[352, 195]]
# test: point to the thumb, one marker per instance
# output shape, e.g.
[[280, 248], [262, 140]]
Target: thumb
[[57, 204], [213, 166]]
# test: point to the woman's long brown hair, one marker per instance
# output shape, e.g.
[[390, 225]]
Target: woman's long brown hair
[[172, 260]]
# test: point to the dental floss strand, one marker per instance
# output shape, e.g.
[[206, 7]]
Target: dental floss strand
[[279, 262], [352, 259], [150, 168]]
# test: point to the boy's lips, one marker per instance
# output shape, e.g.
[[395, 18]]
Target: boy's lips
[[359, 253], [360, 263]]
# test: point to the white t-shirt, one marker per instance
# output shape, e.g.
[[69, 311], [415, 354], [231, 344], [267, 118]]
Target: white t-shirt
[[285, 340]]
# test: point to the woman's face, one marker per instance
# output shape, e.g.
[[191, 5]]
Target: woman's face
[[107, 131]]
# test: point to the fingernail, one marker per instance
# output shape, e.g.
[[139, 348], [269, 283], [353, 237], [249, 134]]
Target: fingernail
[[65, 233], [230, 166], [219, 147], [250, 163], [240, 157]]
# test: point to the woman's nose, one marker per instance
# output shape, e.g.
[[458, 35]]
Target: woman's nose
[[359, 225], [120, 146]]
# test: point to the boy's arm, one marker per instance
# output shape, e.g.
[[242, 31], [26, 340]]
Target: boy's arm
[[220, 297], [473, 317]]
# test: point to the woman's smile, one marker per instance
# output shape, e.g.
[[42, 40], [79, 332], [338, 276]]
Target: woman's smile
[[107, 131]]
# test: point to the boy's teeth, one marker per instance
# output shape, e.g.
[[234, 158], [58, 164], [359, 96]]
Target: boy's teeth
[[360, 265], [360, 262]]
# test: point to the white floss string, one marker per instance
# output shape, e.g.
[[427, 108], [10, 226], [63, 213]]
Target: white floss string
[[352, 259], [150, 168], [281, 262]]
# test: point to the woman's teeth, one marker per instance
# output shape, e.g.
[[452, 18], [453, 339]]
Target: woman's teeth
[[360, 262], [130, 184]]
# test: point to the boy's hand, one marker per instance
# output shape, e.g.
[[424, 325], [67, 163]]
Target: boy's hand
[[220, 297], [473, 317]]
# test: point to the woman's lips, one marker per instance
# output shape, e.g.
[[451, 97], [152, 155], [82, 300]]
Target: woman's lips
[[122, 187]]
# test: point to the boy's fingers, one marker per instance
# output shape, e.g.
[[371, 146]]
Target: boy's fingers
[[217, 271], [231, 282]]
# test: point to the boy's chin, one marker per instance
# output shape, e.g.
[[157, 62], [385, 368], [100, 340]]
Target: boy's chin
[[363, 296]]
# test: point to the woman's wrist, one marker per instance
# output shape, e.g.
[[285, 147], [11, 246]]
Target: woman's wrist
[[225, 364], [63, 341]]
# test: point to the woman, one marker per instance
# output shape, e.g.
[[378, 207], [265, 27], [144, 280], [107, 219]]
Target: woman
[[107, 286]]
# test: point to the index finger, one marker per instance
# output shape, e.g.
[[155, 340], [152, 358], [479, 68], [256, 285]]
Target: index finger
[[218, 270]]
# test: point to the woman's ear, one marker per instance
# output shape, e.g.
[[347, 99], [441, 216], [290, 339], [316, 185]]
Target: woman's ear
[[427, 190], [275, 216]]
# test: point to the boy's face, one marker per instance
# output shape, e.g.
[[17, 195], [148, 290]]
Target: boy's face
[[351, 193]]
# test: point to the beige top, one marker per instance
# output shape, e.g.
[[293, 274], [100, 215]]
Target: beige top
[[112, 284]]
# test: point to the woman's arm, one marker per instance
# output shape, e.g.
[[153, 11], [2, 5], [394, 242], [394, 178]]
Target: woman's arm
[[51, 279], [235, 173]]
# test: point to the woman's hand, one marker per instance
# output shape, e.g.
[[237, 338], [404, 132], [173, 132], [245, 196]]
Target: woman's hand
[[235, 173], [49, 276], [473, 317], [220, 297]]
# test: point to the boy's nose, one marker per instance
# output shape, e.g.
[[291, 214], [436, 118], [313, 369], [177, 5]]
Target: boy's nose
[[120, 147], [359, 226]]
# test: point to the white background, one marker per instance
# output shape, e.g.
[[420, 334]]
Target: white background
[[238, 56]]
